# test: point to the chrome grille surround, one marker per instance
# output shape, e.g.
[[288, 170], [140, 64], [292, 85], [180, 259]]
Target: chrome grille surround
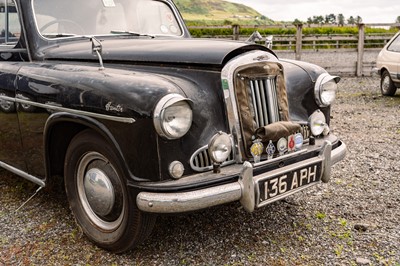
[[264, 93], [227, 79], [261, 97]]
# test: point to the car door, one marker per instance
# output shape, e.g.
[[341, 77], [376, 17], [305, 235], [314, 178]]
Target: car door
[[11, 57], [394, 58]]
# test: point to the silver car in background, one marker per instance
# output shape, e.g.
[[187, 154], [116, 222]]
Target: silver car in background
[[388, 66]]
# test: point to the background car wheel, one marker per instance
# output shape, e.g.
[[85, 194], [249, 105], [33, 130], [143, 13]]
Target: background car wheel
[[6, 106], [387, 86], [98, 196]]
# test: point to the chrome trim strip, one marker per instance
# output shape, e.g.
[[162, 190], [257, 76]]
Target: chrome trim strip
[[6, 98], [127, 120], [27, 176]]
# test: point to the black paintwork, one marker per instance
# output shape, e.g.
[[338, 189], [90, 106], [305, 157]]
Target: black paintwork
[[138, 72], [151, 51]]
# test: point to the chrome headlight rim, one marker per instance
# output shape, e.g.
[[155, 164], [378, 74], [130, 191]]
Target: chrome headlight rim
[[159, 121], [320, 89], [213, 147]]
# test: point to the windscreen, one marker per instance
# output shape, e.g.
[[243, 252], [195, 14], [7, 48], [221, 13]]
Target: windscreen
[[60, 18]]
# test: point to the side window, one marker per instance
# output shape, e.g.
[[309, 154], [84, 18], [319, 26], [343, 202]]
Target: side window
[[10, 29], [395, 45]]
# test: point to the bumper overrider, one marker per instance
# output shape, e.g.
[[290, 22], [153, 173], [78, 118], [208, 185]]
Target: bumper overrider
[[252, 191]]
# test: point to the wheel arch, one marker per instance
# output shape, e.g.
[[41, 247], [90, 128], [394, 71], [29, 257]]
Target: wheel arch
[[60, 129], [382, 70]]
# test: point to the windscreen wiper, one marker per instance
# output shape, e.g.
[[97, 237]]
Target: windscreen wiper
[[59, 35], [132, 33]]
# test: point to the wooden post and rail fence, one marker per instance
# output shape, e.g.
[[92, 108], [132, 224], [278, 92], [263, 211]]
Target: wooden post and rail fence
[[300, 42]]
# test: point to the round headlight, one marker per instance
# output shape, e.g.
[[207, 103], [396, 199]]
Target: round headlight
[[173, 116], [325, 89], [220, 147], [317, 123]]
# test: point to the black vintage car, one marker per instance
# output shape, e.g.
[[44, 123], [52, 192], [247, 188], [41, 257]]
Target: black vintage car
[[140, 119]]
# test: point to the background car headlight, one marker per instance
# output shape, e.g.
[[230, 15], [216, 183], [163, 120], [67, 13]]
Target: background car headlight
[[173, 116], [317, 123], [220, 147], [325, 89]]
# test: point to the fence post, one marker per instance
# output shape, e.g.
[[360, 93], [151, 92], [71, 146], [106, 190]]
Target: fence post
[[299, 40], [360, 49], [236, 32]]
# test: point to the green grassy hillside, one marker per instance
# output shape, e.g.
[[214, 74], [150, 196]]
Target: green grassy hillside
[[217, 12]]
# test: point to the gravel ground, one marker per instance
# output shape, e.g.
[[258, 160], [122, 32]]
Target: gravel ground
[[352, 220]]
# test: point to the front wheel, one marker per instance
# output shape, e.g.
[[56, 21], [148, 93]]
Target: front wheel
[[387, 86], [98, 196]]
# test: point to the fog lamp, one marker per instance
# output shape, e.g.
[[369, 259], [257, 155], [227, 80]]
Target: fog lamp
[[317, 123], [176, 169], [220, 147]]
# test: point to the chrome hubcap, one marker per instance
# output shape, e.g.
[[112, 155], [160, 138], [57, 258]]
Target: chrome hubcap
[[99, 191]]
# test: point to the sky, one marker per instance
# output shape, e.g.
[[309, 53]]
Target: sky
[[371, 11]]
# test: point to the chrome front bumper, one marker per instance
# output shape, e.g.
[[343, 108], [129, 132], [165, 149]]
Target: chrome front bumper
[[242, 190]]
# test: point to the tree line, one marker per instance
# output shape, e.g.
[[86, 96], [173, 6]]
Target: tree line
[[334, 19]]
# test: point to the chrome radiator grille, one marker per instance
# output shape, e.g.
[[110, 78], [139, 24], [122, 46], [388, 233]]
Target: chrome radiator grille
[[305, 131], [201, 160], [264, 100]]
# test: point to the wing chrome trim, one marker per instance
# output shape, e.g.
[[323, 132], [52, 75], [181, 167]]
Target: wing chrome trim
[[127, 120]]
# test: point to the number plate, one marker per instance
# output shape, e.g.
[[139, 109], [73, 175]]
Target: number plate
[[278, 186]]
